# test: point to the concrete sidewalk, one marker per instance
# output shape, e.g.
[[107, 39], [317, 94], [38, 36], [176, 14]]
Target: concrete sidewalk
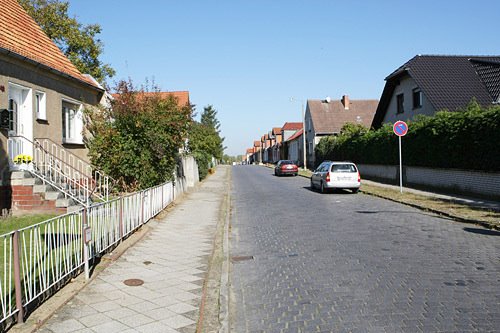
[[172, 261]]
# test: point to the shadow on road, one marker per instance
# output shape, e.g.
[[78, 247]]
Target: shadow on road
[[483, 231], [343, 192], [399, 212]]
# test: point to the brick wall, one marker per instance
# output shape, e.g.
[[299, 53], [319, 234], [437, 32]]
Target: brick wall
[[23, 199], [459, 181]]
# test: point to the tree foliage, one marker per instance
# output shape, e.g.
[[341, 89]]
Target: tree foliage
[[80, 43], [205, 141], [209, 118], [466, 139], [138, 141]]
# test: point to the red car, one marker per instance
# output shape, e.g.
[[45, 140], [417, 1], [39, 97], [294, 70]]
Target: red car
[[286, 167]]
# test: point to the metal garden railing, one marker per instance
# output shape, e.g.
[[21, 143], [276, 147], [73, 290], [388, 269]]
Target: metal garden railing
[[61, 169], [38, 260]]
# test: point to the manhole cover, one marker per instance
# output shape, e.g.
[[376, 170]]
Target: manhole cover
[[241, 258], [133, 282]]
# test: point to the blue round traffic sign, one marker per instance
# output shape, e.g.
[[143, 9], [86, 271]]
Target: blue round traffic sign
[[400, 128]]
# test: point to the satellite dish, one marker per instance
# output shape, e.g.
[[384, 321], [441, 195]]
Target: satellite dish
[[328, 99]]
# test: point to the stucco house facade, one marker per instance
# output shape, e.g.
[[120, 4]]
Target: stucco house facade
[[42, 94], [295, 147]]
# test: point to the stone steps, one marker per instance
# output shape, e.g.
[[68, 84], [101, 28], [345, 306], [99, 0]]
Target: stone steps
[[31, 194]]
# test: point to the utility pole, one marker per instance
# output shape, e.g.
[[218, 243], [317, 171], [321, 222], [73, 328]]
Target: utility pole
[[304, 135], [303, 129]]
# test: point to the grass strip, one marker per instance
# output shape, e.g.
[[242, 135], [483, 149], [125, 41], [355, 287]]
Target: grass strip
[[465, 213]]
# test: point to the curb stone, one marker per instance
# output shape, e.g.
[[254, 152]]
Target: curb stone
[[224, 290]]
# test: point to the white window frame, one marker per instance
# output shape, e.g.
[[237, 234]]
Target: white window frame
[[72, 127], [40, 105]]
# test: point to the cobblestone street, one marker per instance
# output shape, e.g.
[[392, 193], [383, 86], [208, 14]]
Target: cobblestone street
[[354, 263]]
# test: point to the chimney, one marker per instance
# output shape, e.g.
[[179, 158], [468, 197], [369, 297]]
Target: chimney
[[345, 102]]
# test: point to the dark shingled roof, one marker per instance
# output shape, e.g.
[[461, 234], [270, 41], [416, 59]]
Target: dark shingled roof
[[328, 118], [448, 82]]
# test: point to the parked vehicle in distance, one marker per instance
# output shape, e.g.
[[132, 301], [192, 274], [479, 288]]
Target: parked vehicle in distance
[[286, 167], [336, 175]]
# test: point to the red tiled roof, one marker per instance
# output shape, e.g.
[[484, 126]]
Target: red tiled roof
[[20, 34], [181, 96], [249, 150], [296, 135], [256, 143], [292, 126]]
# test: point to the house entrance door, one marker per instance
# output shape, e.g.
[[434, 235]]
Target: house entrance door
[[20, 118]]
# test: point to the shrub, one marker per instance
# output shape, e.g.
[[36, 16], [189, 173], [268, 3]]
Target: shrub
[[467, 139], [138, 141]]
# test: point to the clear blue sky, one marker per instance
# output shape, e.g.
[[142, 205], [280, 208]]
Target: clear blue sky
[[247, 58]]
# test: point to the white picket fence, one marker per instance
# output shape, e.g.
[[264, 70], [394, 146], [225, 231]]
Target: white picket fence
[[38, 260]]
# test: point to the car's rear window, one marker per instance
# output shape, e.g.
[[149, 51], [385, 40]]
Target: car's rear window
[[287, 162], [344, 168]]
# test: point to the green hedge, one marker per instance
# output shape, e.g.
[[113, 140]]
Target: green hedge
[[468, 139]]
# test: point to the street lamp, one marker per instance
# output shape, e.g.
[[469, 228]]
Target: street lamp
[[292, 99]]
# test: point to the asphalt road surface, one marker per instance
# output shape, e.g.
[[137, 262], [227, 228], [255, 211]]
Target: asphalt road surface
[[341, 262]]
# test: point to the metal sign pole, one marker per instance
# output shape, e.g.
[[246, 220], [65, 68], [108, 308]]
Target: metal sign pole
[[400, 167], [400, 128]]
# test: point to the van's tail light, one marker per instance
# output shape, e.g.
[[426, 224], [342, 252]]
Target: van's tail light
[[328, 177], [359, 178]]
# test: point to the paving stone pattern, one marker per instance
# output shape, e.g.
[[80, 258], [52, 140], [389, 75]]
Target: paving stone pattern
[[353, 263], [172, 261]]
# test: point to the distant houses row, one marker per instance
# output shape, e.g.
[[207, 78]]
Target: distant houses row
[[422, 86]]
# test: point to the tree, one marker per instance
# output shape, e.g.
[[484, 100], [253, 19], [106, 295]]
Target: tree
[[205, 142], [78, 42], [210, 121], [138, 141], [201, 142], [209, 118]]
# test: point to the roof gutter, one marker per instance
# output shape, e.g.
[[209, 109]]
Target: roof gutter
[[398, 72], [48, 68]]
